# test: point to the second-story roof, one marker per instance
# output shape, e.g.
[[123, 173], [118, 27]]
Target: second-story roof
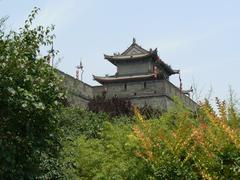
[[110, 79]]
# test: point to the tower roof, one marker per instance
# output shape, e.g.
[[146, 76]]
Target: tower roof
[[133, 52]]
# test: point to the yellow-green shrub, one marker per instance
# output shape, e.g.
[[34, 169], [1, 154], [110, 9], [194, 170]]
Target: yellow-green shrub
[[188, 145]]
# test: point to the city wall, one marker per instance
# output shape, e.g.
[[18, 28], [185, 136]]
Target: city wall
[[157, 93]]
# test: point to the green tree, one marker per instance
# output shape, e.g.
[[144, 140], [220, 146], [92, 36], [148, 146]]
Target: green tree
[[30, 100], [109, 157], [76, 121]]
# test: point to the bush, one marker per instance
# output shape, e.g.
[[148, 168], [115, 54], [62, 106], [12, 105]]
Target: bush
[[107, 158], [187, 146], [76, 121], [117, 107], [179, 145], [113, 107], [148, 112]]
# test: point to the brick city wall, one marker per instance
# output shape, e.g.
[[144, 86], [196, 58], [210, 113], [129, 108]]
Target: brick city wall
[[157, 93]]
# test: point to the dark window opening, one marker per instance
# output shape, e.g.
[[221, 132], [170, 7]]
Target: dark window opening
[[125, 87], [135, 94]]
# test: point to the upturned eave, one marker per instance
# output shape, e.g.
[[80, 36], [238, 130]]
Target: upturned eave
[[113, 79], [118, 58]]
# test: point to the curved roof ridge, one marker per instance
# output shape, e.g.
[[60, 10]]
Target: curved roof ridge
[[134, 47]]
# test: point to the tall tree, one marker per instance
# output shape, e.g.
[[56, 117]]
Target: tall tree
[[30, 101]]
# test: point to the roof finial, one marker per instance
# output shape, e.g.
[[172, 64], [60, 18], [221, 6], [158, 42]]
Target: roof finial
[[79, 67], [134, 41]]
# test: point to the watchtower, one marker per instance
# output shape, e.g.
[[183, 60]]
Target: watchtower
[[143, 77], [137, 64]]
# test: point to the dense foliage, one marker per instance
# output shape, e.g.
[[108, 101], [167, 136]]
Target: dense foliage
[[77, 121], [84, 133], [179, 145], [30, 101], [106, 158], [191, 146], [114, 106]]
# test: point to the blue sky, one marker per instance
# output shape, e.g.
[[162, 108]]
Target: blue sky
[[202, 38]]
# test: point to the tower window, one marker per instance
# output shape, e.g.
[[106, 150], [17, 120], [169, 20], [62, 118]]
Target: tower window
[[125, 87], [145, 85]]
